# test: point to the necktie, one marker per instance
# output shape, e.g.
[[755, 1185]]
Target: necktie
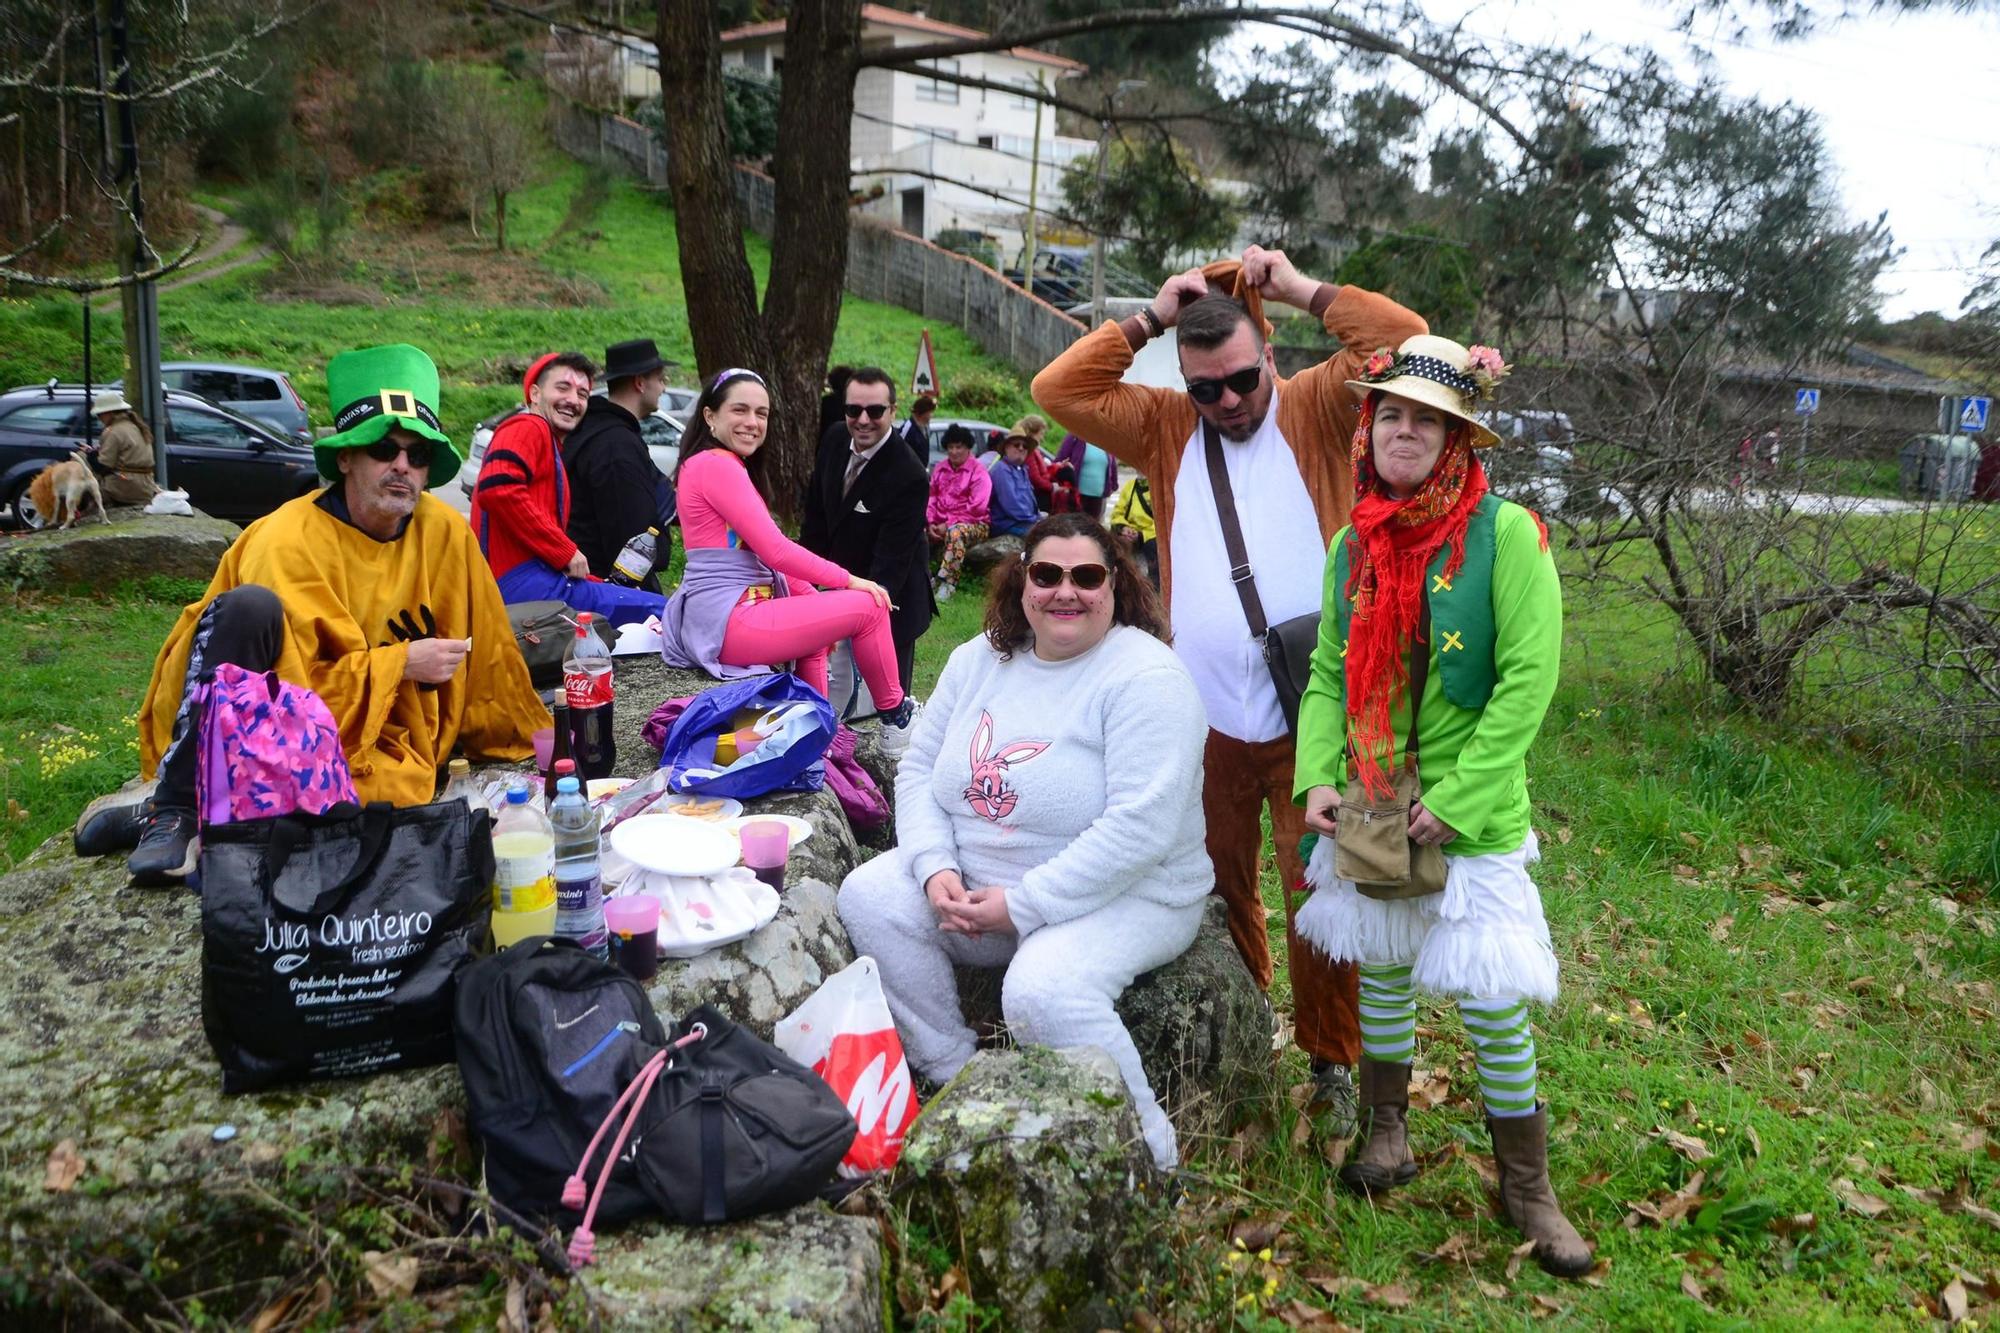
[[854, 466]]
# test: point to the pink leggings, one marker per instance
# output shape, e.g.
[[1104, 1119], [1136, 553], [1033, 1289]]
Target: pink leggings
[[804, 626]]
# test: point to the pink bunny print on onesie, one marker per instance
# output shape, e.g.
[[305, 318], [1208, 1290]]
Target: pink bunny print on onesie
[[988, 794]]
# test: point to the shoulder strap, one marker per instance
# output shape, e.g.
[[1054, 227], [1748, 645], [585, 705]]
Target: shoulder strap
[[1232, 533]]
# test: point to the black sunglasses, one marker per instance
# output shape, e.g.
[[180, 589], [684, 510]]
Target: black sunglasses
[[874, 411], [1048, 574], [385, 451], [1238, 382]]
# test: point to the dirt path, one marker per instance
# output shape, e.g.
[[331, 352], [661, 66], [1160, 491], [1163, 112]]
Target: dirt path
[[229, 234]]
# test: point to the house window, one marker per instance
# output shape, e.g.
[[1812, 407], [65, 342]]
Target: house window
[[1022, 99], [934, 90], [934, 132], [754, 60], [986, 141]]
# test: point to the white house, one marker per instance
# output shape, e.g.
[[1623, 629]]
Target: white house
[[946, 156]]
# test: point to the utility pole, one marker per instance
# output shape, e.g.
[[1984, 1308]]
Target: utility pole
[[1103, 156], [1034, 183], [140, 301]]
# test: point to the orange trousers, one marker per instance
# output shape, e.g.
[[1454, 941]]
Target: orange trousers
[[1241, 777]]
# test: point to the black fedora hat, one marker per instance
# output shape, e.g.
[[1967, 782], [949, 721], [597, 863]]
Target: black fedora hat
[[630, 359]]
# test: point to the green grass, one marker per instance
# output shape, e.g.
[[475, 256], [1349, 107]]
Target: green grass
[[575, 227]]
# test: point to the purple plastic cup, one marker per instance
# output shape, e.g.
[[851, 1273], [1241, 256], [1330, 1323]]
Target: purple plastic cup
[[544, 742], [633, 924], [767, 844]]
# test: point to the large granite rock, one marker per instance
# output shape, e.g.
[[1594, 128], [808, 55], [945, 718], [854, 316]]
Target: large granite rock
[[1031, 1166], [810, 1270], [100, 556], [759, 980], [101, 1047], [985, 555], [1202, 1027]]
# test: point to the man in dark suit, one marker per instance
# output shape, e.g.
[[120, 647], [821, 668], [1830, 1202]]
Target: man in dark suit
[[916, 431], [865, 508], [615, 491]]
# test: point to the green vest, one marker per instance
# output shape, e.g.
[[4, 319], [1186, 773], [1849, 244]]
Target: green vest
[[1461, 607]]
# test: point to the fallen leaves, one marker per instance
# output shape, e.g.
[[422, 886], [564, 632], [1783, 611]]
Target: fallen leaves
[[65, 1168], [392, 1276], [1458, 1248], [1718, 930], [1694, 1291], [1428, 1089], [1516, 1255], [1665, 1210], [1296, 1313], [1687, 1145], [1856, 1200], [1258, 1233], [1952, 1302]]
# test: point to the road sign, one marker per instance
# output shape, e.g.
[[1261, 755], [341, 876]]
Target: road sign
[[1972, 414], [924, 379], [1805, 402]]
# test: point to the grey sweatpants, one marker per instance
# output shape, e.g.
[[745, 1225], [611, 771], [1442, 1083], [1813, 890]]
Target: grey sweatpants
[[1062, 981]]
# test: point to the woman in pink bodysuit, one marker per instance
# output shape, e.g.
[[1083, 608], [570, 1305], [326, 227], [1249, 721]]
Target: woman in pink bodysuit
[[747, 600]]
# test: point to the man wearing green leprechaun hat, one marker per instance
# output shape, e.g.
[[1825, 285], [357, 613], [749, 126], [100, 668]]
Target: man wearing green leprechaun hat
[[370, 593]]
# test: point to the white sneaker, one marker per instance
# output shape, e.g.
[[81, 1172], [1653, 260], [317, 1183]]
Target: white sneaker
[[895, 740]]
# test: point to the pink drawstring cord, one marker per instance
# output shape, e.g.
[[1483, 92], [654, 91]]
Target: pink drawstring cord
[[582, 1243]]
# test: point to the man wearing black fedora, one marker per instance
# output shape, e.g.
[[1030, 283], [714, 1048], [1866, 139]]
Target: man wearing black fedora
[[615, 491]]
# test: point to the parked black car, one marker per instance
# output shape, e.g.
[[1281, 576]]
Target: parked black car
[[230, 466]]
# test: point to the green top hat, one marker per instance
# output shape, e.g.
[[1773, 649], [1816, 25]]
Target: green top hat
[[375, 388]]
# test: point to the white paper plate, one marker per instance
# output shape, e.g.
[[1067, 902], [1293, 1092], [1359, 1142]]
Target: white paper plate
[[670, 845], [801, 829], [699, 913], [727, 809]]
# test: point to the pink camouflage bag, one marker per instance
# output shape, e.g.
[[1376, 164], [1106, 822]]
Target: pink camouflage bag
[[268, 748]]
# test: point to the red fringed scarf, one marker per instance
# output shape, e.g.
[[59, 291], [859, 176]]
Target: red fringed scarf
[[1397, 539]]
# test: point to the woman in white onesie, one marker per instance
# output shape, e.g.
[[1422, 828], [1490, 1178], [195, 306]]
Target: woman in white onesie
[[1048, 817]]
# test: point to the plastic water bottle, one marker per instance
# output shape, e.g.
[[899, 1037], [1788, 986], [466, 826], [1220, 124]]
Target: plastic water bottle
[[579, 890], [460, 786], [587, 683], [635, 561], [524, 870]]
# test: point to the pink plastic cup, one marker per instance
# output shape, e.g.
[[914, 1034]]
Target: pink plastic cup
[[766, 846], [544, 742], [633, 924]]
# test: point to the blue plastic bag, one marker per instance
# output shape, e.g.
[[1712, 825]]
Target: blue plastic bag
[[786, 760]]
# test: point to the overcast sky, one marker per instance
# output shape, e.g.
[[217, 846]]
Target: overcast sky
[[1910, 108]]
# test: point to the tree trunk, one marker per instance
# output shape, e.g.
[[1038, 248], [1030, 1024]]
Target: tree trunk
[[721, 292], [809, 238], [500, 220]]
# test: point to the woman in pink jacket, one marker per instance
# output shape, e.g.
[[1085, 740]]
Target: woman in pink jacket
[[746, 602], [961, 491]]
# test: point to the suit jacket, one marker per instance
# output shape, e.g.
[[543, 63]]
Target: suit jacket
[[919, 441], [877, 529]]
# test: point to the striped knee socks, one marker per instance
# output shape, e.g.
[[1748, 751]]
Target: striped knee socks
[[1503, 1049], [1388, 1013]]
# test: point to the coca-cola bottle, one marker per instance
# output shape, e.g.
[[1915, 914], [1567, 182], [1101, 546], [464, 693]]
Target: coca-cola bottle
[[587, 686]]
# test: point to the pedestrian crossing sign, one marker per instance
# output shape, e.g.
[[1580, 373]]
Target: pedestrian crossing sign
[[1972, 414], [1805, 402], [924, 379]]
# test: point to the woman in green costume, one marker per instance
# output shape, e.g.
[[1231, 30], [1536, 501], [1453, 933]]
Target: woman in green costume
[[1432, 558]]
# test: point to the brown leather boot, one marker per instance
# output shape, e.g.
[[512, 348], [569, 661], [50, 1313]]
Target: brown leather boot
[[1521, 1149], [1384, 1160]]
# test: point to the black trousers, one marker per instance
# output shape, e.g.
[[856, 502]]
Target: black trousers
[[906, 661], [244, 626]]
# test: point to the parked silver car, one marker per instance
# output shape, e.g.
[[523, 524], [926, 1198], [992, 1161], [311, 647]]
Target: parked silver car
[[264, 395]]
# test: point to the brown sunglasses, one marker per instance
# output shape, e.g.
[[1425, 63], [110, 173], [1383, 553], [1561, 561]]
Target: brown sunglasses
[[1048, 574]]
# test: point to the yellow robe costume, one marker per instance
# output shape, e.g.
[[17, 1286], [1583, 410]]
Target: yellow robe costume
[[351, 606]]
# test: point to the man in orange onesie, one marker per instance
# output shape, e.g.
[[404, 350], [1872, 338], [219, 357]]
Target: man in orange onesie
[[1284, 444]]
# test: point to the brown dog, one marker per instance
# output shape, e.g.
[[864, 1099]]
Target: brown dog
[[60, 490]]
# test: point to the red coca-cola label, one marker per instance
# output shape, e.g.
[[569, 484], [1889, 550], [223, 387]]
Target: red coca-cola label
[[587, 689]]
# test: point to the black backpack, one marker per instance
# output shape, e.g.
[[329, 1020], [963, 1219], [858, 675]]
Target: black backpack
[[550, 1041]]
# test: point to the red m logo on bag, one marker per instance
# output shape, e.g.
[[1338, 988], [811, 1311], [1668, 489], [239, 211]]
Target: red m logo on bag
[[879, 1093]]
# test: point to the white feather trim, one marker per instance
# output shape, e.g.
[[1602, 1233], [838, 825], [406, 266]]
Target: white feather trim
[[1480, 961], [1350, 928]]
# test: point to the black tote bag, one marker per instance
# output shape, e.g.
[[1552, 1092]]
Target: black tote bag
[[330, 944]]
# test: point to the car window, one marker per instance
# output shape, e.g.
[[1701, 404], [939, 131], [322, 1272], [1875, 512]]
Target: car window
[[218, 386], [656, 432], [45, 419], [257, 389], [174, 379], [191, 425]]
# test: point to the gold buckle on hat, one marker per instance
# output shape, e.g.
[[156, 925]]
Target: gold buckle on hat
[[399, 402]]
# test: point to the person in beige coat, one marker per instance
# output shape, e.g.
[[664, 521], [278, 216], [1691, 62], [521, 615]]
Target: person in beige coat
[[124, 452]]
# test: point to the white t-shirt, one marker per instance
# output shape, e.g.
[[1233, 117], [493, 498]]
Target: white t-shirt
[[1287, 558]]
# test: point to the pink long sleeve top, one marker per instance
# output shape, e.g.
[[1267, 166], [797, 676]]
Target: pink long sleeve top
[[719, 507], [959, 494]]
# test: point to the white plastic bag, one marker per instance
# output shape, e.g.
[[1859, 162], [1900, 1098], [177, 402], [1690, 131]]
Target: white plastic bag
[[843, 1032], [170, 502]]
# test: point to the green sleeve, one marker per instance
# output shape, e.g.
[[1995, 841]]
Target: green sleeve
[[1322, 744], [1527, 658]]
